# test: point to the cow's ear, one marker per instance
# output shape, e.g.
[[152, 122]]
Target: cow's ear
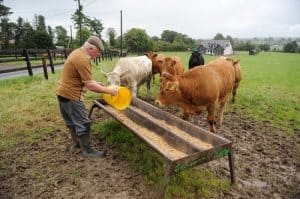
[[173, 63], [173, 87], [155, 55], [167, 75], [236, 62]]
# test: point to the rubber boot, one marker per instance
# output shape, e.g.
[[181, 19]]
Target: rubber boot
[[88, 150], [75, 139]]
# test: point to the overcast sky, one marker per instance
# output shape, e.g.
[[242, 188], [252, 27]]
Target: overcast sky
[[195, 18]]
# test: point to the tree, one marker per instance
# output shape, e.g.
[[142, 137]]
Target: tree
[[7, 31], [111, 33], [78, 18], [51, 33], [26, 38], [61, 36], [137, 40], [228, 37], [42, 40], [178, 43], [82, 21], [4, 11], [95, 26], [41, 25], [85, 34], [291, 47], [168, 35], [219, 36], [264, 47], [19, 31]]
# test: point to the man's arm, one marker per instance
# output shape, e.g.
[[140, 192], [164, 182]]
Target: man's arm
[[100, 88]]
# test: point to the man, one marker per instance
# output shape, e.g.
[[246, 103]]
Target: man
[[75, 80]]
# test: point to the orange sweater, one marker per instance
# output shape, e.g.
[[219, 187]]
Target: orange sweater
[[76, 72]]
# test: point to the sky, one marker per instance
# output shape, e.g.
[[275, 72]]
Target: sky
[[198, 19]]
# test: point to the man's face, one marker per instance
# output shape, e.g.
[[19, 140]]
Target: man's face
[[94, 52]]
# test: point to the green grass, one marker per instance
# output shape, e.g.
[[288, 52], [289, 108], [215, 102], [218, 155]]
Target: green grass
[[269, 92], [20, 64]]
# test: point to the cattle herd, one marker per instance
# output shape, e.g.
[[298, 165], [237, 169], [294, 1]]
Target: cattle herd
[[202, 87]]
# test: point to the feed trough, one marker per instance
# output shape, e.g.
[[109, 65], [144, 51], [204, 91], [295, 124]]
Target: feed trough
[[182, 144]]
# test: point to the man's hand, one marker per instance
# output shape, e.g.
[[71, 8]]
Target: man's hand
[[114, 90]]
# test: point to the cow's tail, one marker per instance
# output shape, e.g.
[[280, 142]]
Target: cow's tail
[[238, 76]]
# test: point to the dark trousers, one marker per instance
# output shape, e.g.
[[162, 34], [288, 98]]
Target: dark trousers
[[75, 115]]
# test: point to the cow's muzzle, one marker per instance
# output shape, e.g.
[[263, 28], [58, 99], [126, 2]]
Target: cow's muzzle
[[157, 102]]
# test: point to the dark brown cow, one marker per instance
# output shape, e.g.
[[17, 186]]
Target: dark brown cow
[[200, 88]]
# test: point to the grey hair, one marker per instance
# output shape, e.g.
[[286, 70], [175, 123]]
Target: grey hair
[[88, 45]]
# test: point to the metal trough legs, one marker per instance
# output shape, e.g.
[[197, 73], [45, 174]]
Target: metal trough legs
[[231, 166]]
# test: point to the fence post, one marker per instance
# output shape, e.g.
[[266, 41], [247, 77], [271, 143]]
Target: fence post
[[96, 60], [51, 62], [65, 54], [110, 55], [28, 62], [45, 68]]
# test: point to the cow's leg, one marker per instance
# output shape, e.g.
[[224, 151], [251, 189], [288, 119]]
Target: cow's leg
[[211, 109], [234, 93], [153, 78], [185, 115], [134, 88], [221, 112], [148, 82]]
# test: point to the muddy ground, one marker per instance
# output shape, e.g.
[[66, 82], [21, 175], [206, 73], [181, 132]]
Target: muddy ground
[[267, 165]]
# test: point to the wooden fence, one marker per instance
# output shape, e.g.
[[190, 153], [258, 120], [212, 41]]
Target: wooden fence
[[14, 57]]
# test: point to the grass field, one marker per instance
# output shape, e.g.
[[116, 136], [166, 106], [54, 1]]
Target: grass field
[[269, 92]]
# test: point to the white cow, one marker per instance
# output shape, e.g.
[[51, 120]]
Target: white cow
[[131, 72]]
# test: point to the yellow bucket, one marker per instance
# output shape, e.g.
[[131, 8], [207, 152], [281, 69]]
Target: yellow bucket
[[121, 100]]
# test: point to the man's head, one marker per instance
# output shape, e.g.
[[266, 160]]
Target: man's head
[[95, 41], [94, 46]]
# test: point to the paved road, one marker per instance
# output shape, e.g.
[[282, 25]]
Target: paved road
[[25, 72]]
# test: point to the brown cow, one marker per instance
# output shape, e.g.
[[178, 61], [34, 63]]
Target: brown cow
[[155, 59], [172, 65], [238, 74], [200, 88]]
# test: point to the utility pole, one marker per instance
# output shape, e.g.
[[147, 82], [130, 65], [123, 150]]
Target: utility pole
[[71, 43], [121, 36], [80, 20]]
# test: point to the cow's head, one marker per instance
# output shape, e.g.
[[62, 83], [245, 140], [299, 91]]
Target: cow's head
[[156, 60], [167, 66], [114, 78], [169, 90]]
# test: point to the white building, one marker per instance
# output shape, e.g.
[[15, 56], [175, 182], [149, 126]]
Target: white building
[[216, 47]]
